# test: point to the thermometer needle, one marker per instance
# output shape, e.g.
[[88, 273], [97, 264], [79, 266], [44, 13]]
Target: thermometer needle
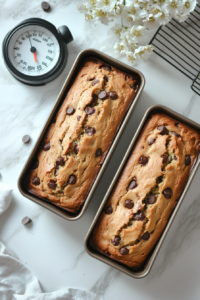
[[35, 57], [33, 49]]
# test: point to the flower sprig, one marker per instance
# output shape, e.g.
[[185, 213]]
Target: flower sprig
[[139, 16]]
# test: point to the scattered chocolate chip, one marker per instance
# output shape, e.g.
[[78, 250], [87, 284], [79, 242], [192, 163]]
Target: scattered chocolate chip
[[60, 161], [160, 179], [132, 184], [167, 193], [139, 216], [113, 95], [135, 86], [60, 141], [175, 157], [94, 99], [76, 148], [175, 133], [177, 125], [109, 210], [35, 164], [107, 68], [143, 160], [151, 199], [45, 6], [103, 95], [116, 240], [70, 111], [46, 147], [91, 78], [26, 139], [165, 158], [124, 251], [128, 203], [36, 180], [142, 147], [95, 82], [72, 179], [105, 78], [145, 236], [96, 61], [151, 141], [26, 220], [98, 152], [52, 184], [163, 130], [89, 110], [78, 118], [90, 130], [187, 160]]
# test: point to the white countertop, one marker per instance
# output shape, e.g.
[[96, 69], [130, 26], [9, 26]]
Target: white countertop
[[52, 248]]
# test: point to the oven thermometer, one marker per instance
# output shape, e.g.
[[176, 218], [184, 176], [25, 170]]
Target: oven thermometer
[[35, 52]]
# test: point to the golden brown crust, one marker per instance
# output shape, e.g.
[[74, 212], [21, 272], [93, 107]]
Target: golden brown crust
[[70, 130], [152, 179]]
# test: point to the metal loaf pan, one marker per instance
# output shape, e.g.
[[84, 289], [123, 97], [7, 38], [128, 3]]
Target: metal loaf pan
[[71, 76], [152, 256]]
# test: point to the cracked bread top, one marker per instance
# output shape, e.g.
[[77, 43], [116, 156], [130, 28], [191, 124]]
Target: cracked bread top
[[147, 190], [84, 128]]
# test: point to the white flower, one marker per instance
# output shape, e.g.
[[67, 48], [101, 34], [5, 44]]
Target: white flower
[[143, 52], [134, 34], [121, 48]]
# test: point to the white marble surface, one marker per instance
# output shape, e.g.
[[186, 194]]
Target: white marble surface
[[52, 247]]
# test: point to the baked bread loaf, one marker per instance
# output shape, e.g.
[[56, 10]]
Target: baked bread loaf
[[147, 191], [85, 126]]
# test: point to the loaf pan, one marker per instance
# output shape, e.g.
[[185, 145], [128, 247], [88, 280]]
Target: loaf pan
[[72, 74], [152, 256]]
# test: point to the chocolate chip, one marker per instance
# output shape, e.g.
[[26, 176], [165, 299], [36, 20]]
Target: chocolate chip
[[26, 220], [128, 203], [60, 161], [160, 179], [103, 95], [78, 118], [105, 78], [95, 82], [175, 133], [90, 130], [113, 95], [45, 6], [91, 78], [26, 139], [116, 240], [163, 130], [167, 193], [72, 179], [151, 199], [124, 251], [70, 111], [76, 148], [107, 68], [139, 216], [175, 157], [36, 180], [151, 141], [46, 147], [35, 164], [94, 99], [109, 210], [187, 160], [96, 61], [143, 160], [89, 110], [177, 125], [52, 184], [132, 184], [134, 86], [98, 152], [165, 158], [145, 236]]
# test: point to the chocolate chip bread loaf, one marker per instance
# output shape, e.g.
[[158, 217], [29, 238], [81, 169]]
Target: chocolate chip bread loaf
[[147, 191], [85, 126]]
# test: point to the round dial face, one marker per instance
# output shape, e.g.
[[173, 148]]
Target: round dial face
[[33, 50]]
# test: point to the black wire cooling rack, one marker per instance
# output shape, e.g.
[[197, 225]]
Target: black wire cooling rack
[[179, 44]]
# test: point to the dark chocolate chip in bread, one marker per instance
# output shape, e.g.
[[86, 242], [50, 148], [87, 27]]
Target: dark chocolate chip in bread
[[177, 125], [89, 110], [109, 210], [139, 216], [76, 148], [175, 133], [145, 236], [52, 184], [98, 152], [165, 158], [128, 203], [46, 147], [163, 130], [70, 111], [78, 118], [132, 184], [143, 160], [103, 95], [151, 199], [167, 193], [60, 161], [95, 82], [116, 240], [124, 251], [94, 99], [106, 67], [72, 179], [151, 141], [96, 61], [90, 130], [187, 160], [36, 180], [35, 164], [113, 95]]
